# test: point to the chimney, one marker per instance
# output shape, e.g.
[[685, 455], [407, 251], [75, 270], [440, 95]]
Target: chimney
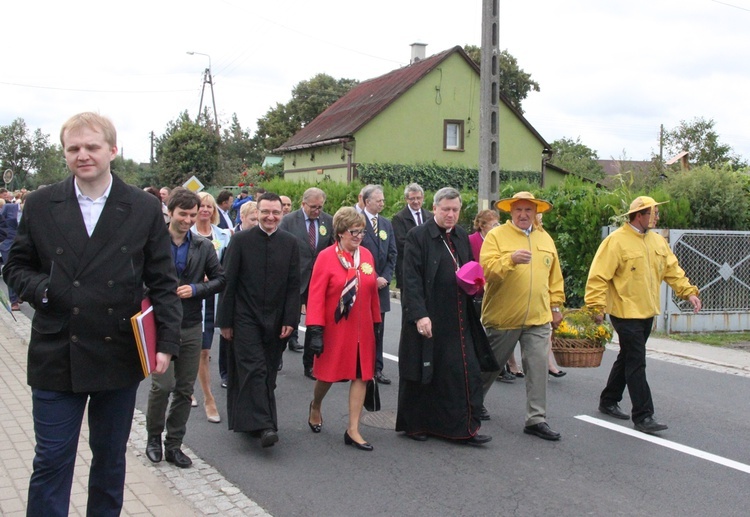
[[417, 52]]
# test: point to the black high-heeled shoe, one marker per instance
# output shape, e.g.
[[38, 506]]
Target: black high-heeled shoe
[[361, 446], [559, 373], [315, 428]]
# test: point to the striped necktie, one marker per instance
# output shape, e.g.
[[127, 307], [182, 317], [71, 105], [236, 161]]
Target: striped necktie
[[374, 221], [311, 233]]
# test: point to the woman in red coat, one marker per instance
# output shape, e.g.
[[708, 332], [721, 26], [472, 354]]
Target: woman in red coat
[[342, 312]]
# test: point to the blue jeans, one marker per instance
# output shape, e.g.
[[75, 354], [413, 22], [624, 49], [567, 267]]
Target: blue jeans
[[57, 425]]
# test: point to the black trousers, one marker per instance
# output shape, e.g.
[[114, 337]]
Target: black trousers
[[630, 367]]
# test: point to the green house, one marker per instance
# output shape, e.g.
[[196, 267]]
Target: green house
[[426, 112]]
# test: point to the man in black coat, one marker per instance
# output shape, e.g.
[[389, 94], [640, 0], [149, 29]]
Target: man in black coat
[[314, 231], [84, 249], [381, 242], [411, 216], [257, 312]]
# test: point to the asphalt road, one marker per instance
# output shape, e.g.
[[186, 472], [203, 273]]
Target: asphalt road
[[593, 470]]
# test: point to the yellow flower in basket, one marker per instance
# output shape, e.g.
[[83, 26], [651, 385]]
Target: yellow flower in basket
[[580, 324]]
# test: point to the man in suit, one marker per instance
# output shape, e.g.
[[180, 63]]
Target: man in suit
[[224, 202], [314, 231], [381, 242], [412, 215], [84, 249]]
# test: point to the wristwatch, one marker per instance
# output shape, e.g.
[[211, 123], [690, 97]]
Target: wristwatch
[[555, 309]]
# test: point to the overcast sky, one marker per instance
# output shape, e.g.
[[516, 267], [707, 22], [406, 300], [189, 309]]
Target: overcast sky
[[610, 71]]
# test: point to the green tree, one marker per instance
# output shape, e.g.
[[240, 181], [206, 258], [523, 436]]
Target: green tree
[[515, 83], [238, 151], [701, 141], [719, 198], [132, 173], [29, 155], [309, 99], [187, 148], [576, 157]]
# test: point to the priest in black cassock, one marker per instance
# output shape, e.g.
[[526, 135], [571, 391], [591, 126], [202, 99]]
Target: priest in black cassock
[[443, 346], [257, 312]]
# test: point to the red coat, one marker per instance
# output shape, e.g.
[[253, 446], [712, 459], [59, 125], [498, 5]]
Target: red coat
[[342, 340]]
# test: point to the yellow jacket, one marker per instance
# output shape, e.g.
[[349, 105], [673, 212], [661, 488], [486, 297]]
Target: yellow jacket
[[627, 271], [519, 295]]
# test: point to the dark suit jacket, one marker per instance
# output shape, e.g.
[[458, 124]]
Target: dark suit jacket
[[402, 223], [295, 224], [383, 249], [85, 289]]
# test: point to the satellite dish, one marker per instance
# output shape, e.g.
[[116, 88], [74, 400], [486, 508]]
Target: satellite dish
[[8, 176]]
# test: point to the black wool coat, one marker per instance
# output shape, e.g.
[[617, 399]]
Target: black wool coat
[[85, 289]]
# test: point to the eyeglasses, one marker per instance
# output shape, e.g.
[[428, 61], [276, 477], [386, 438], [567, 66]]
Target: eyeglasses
[[314, 207], [414, 199], [270, 212], [356, 233], [286, 204]]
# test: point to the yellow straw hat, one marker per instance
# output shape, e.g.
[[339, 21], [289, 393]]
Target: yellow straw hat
[[506, 204], [642, 203]]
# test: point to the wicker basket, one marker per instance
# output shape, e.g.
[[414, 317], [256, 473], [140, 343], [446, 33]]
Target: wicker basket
[[577, 353]]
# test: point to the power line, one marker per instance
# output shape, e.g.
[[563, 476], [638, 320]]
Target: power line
[[731, 5]]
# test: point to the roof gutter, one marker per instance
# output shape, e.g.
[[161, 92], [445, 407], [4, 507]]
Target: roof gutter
[[322, 143]]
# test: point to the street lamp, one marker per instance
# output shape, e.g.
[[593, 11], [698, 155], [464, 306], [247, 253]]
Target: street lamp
[[207, 78]]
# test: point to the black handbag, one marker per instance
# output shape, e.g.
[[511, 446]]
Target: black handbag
[[372, 396]]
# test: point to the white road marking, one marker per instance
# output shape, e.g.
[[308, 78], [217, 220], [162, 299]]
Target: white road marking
[[666, 443]]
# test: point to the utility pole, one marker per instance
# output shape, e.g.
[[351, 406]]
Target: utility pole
[[207, 79], [489, 131]]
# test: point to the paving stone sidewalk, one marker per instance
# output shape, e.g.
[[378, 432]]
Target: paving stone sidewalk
[[159, 490]]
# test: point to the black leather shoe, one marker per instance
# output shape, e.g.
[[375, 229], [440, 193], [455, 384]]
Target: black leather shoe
[[382, 379], [650, 426], [153, 448], [484, 415], [542, 430], [224, 383], [177, 457], [614, 410], [348, 440], [506, 376], [478, 439], [268, 437], [420, 437], [294, 345], [309, 374], [558, 373]]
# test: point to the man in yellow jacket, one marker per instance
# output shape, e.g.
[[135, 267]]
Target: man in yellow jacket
[[624, 282], [523, 294]]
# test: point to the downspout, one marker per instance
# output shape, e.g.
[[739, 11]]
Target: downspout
[[348, 150]]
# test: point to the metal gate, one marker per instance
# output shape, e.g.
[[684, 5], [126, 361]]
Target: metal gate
[[718, 262]]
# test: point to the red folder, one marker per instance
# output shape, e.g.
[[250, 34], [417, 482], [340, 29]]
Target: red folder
[[144, 328]]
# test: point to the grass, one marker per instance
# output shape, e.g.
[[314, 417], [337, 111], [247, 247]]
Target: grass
[[722, 339]]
